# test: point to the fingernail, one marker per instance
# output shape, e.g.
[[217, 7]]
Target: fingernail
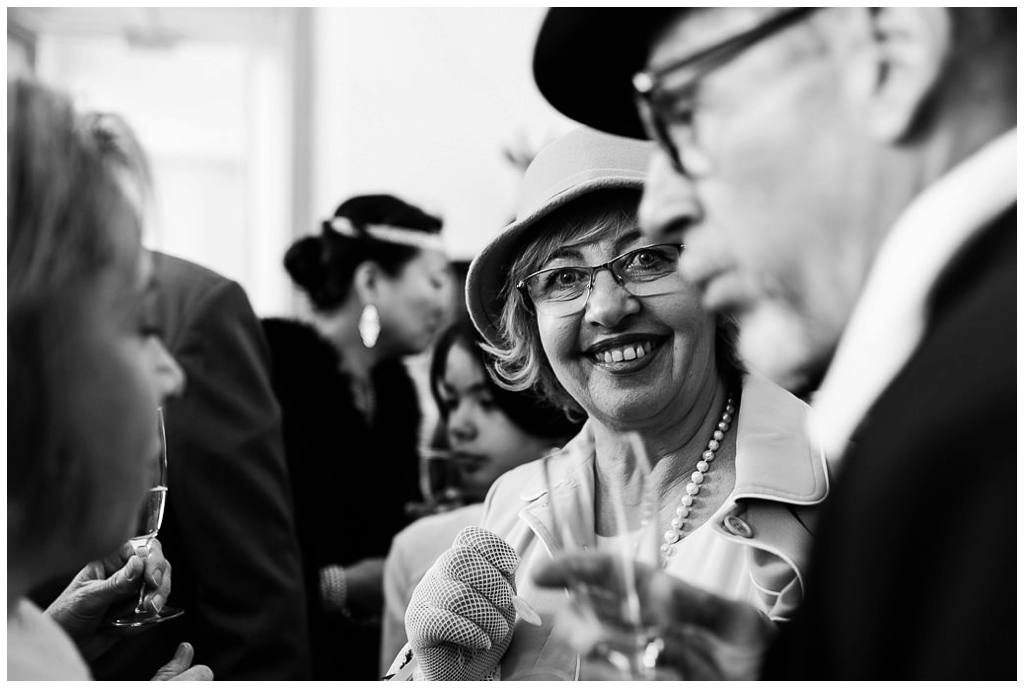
[[158, 602], [158, 576]]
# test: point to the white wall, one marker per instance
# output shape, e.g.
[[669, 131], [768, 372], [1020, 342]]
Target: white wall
[[213, 119], [259, 122], [419, 103]]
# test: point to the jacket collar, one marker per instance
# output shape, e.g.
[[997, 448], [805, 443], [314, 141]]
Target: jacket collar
[[775, 458], [571, 476], [892, 313]]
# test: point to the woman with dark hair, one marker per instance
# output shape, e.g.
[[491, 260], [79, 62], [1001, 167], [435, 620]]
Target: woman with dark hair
[[575, 303], [378, 284], [489, 431]]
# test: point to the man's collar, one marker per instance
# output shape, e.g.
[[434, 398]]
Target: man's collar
[[889, 318]]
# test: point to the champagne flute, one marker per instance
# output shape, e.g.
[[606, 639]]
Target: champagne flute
[[440, 479], [631, 516], [147, 528]]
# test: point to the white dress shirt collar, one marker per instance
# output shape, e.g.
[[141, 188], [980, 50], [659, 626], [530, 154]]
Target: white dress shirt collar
[[889, 319]]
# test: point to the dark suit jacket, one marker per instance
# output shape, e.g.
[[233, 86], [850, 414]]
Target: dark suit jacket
[[914, 571], [229, 530]]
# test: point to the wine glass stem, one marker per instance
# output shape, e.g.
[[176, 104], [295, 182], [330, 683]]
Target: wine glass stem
[[139, 608]]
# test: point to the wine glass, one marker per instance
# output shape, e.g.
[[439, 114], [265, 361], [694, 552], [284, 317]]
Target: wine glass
[[440, 479], [150, 519], [629, 532]]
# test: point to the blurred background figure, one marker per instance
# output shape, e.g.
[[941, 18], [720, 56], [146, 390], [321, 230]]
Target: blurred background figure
[[379, 286], [229, 528], [489, 430], [87, 374]]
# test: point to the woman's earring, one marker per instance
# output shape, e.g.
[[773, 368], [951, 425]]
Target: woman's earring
[[369, 325]]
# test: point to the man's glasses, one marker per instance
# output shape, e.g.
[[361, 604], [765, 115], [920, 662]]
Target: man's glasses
[[653, 102], [564, 290]]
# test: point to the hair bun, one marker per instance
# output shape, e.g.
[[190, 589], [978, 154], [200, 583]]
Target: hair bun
[[306, 265]]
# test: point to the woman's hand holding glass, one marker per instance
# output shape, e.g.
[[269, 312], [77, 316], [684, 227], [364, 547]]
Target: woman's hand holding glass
[[109, 584], [147, 528]]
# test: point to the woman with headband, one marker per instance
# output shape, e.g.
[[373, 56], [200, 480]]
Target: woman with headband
[[379, 287]]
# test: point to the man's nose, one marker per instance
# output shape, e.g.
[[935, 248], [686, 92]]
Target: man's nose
[[669, 203]]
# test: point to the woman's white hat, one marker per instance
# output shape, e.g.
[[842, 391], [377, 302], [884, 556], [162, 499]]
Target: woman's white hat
[[581, 162]]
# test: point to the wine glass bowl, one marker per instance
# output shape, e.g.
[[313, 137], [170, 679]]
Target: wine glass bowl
[[622, 512], [147, 528], [440, 481]]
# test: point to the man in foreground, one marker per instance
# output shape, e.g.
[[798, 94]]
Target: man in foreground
[[844, 180]]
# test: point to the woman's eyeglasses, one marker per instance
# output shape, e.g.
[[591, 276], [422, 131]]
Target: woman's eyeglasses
[[563, 290]]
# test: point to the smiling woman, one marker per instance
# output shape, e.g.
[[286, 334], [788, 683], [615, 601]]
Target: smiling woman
[[603, 326]]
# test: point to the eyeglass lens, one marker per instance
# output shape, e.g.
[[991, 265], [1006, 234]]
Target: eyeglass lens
[[647, 84], [564, 290]]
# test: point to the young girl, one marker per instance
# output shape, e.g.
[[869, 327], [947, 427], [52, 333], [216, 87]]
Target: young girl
[[489, 431]]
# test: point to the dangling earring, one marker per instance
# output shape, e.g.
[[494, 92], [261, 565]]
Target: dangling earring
[[369, 325]]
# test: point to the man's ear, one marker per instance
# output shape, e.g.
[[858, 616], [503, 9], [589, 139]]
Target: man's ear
[[910, 52], [366, 281]]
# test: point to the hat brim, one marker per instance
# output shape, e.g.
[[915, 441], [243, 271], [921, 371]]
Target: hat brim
[[585, 59], [489, 272]]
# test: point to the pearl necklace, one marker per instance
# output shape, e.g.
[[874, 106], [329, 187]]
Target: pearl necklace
[[674, 534]]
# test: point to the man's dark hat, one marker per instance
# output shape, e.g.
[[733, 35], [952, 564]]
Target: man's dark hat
[[585, 60]]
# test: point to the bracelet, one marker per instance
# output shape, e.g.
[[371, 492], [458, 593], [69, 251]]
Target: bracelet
[[334, 590]]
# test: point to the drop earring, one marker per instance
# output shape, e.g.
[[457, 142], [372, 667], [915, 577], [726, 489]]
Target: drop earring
[[369, 325]]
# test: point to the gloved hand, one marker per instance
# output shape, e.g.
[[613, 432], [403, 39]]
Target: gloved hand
[[460, 619]]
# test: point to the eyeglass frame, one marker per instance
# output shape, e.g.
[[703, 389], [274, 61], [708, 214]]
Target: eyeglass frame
[[646, 83], [524, 288]]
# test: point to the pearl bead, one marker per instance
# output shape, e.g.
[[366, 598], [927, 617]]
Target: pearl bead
[[693, 487]]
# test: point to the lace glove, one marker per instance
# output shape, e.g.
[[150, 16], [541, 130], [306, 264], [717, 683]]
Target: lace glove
[[461, 616]]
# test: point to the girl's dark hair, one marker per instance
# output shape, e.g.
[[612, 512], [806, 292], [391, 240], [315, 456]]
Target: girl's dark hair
[[323, 266], [526, 409]]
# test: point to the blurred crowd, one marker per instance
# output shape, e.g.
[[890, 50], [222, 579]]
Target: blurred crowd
[[699, 405]]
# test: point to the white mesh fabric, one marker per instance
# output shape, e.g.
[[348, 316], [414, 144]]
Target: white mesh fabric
[[460, 619]]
